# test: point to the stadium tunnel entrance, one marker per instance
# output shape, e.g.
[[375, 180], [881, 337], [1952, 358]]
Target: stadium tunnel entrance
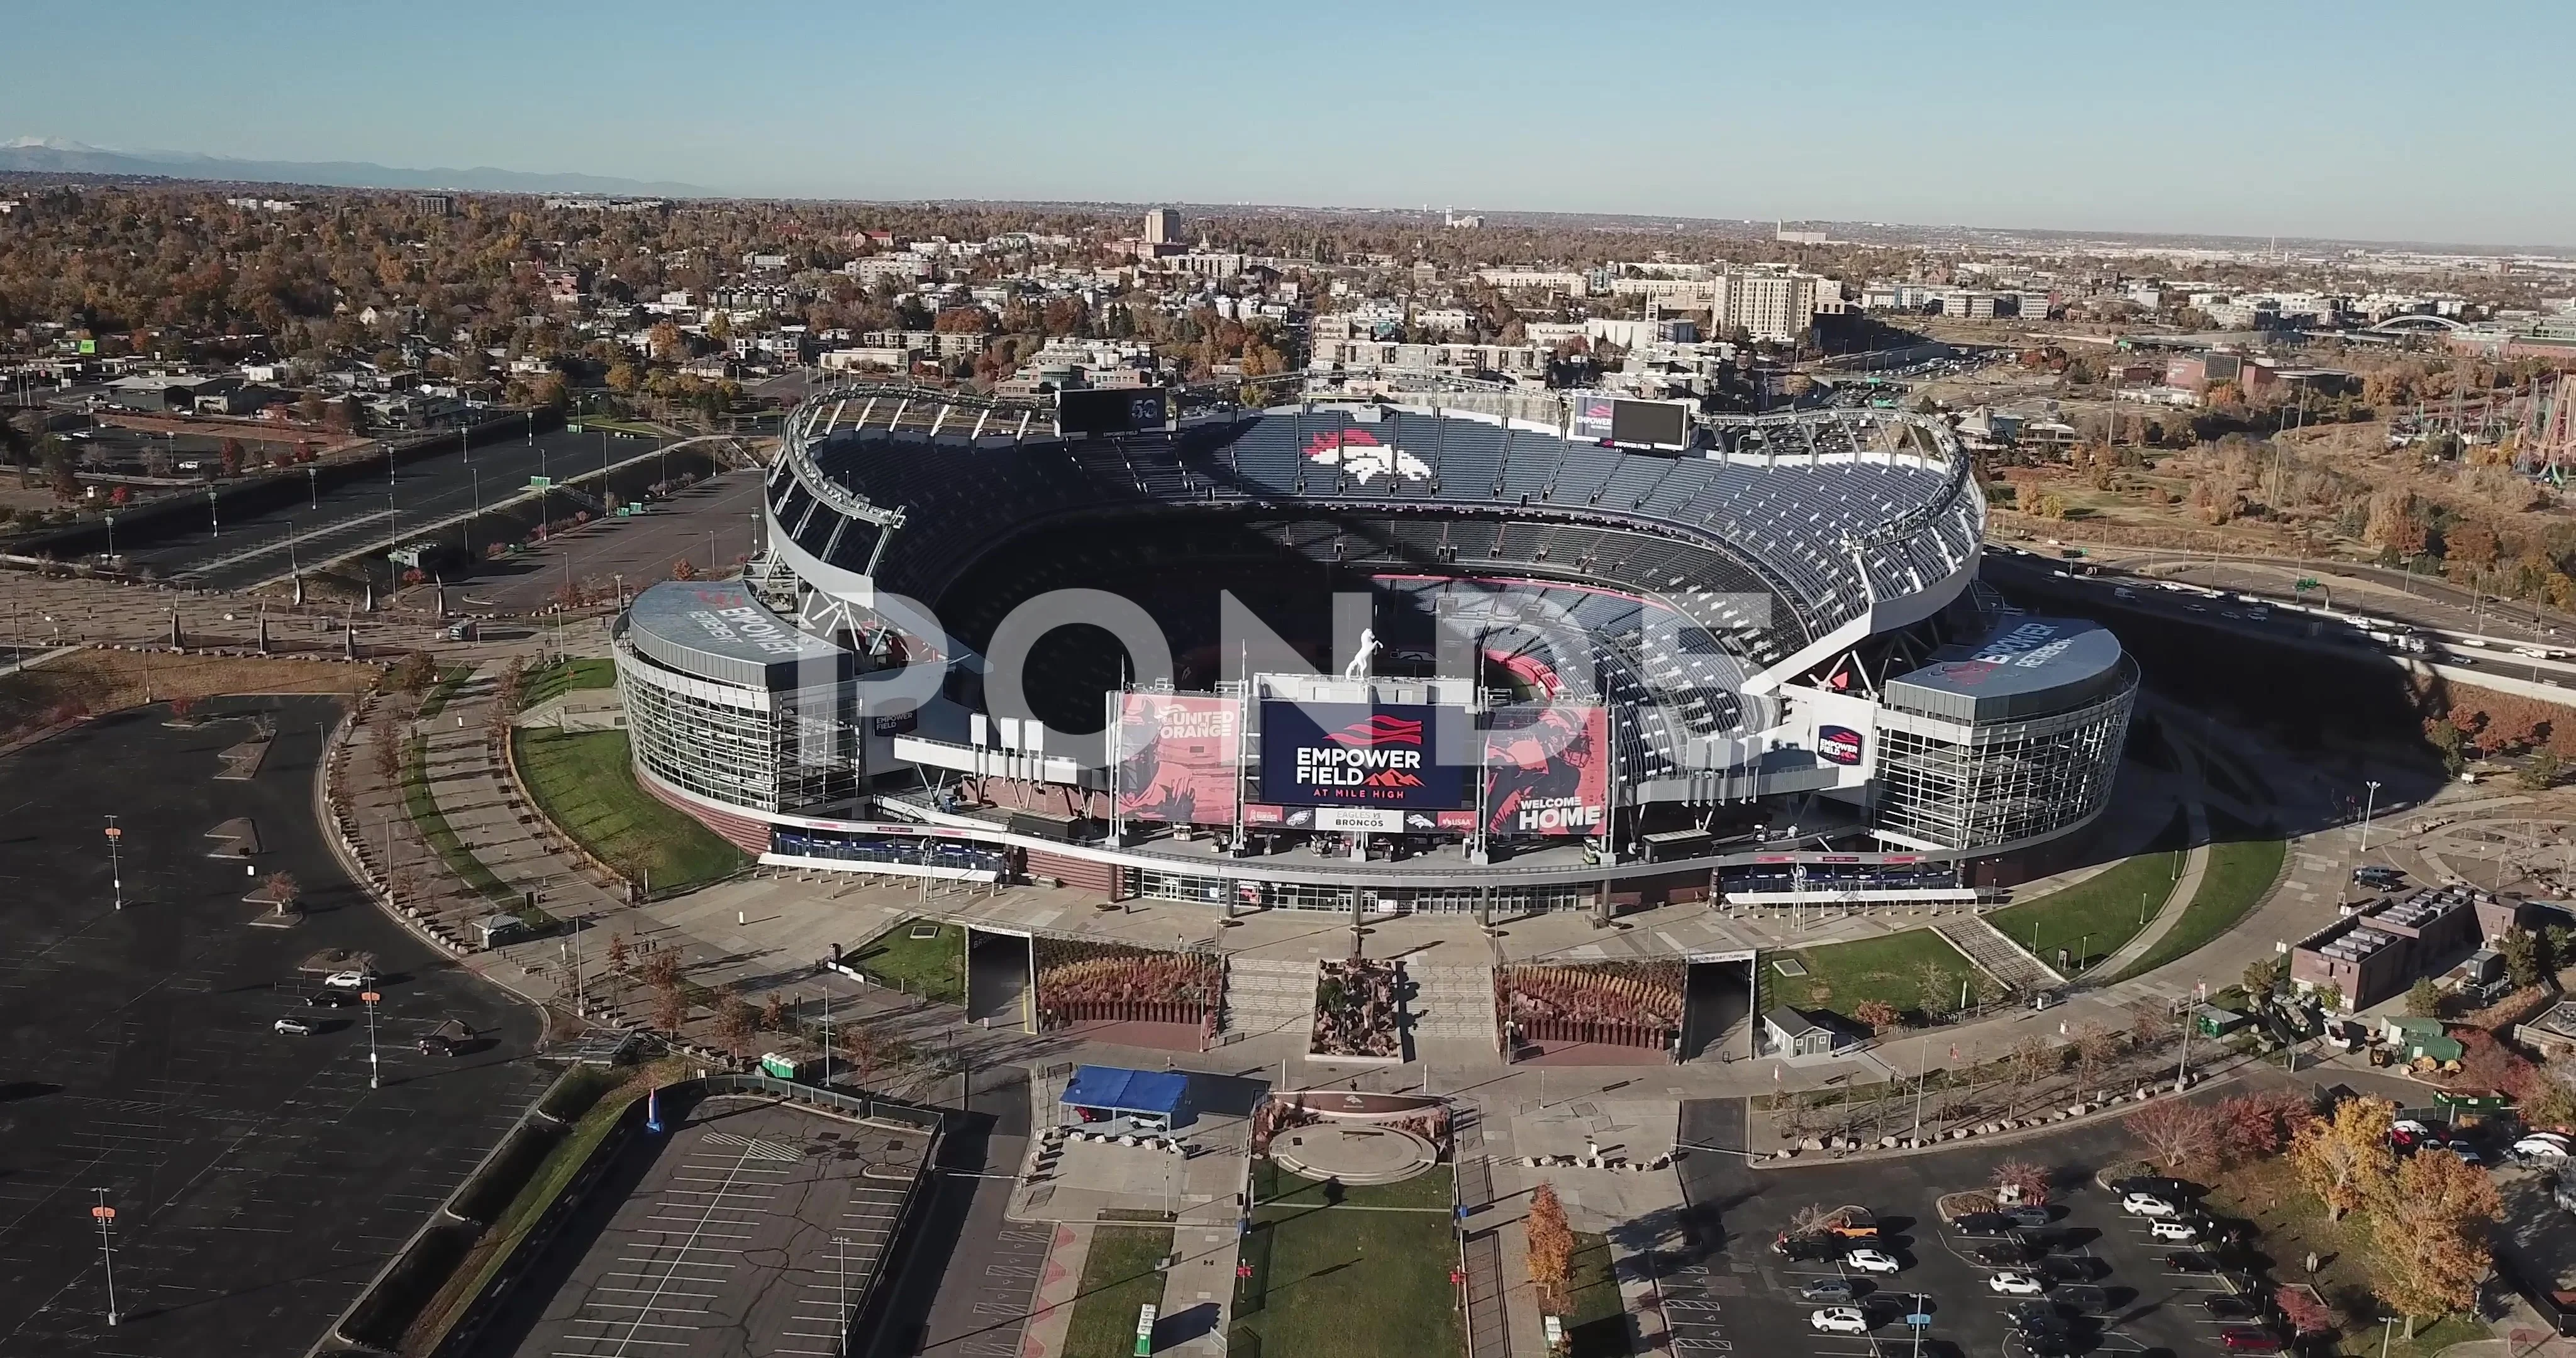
[[1001, 978], [1717, 1007]]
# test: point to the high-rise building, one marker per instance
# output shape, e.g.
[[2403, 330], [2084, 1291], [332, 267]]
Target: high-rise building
[[1162, 226]]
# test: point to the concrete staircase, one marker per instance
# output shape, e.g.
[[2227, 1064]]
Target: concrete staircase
[[1451, 1004], [2009, 963], [1266, 995]]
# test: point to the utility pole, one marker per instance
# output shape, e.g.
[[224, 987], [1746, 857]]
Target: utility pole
[[374, 1075], [115, 863], [104, 1214]]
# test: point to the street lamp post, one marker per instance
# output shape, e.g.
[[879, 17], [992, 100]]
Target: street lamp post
[[313, 485], [214, 516], [103, 1215], [374, 1076], [2368, 806], [115, 861]]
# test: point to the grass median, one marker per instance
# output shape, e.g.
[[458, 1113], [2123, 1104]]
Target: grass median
[[1598, 1325], [2092, 918], [2243, 864], [554, 681], [422, 806], [932, 966], [1350, 1281], [584, 782], [1118, 1278], [1906, 970]]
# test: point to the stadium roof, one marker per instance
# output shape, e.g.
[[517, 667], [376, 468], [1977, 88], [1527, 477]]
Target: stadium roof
[[2024, 667], [717, 630]]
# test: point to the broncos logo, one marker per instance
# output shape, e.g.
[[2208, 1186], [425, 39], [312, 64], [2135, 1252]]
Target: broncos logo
[[1358, 452]]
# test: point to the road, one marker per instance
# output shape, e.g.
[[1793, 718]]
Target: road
[[222, 553], [711, 524]]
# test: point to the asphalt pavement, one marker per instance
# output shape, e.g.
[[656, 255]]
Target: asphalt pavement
[[257, 1179], [221, 552]]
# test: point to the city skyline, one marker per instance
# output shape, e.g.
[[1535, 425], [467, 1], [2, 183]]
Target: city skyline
[[2293, 120]]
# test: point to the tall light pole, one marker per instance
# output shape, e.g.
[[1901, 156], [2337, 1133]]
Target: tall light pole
[[313, 485], [374, 1077], [115, 863], [214, 516], [2368, 806], [103, 1215]]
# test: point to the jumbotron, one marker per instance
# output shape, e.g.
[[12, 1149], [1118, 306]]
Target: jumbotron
[[1356, 655]]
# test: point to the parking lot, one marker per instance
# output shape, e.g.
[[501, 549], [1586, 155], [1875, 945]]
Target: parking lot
[[1732, 1290], [258, 1179], [749, 1229]]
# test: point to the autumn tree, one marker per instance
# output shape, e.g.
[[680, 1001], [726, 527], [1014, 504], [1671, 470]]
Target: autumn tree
[[2344, 1158], [737, 1027], [2428, 1229], [2022, 1181], [1879, 1015], [2095, 1047], [1551, 1248], [2180, 1138], [283, 891], [773, 1012], [2258, 1124]]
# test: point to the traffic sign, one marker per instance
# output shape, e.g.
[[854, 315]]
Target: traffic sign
[[103, 1213], [369, 996], [540, 482], [115, 833], [1917, 1319]]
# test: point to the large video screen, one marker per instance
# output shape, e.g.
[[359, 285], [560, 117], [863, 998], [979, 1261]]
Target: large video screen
[[1547, 771], [1356, 754], [1082, 411], [1177, 757], [1650, 424]]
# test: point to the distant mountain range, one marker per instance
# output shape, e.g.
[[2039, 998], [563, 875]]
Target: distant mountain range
[[48, 155]]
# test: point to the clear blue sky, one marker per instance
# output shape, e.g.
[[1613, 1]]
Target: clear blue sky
[[2356, 118]]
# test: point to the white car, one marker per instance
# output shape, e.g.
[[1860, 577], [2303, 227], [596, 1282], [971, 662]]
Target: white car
[[1840, 1320], [2147, 1205], [2540, 1148], [2013, 1284], [1872, 1261], [2166, 1228], [348, 980]]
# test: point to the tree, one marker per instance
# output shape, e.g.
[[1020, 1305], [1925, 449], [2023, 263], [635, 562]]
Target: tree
[[773, 1012], [2262, 976], [737, 1029], [2251, 1126], [2150, 1025], [2428, 1228], [863, 1049], [284, 891], [1551, 1248], [2095, 1047], [2344, 1158], [2521, 949], [2181, 1138], [2032, 1058], [1878, 1014], [229, 456], [2022, 1181], [2424, 999], [183, 708], [684, 569], [2539, 773]]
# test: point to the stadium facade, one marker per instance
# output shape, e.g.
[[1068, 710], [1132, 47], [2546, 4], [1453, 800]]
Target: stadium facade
[[1369, 655]]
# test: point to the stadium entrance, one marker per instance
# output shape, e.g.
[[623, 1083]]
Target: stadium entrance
[[1001, 979], [1717, 1007]]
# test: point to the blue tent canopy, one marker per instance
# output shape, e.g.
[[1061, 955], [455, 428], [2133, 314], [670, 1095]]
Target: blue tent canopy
[[1159, 1093]]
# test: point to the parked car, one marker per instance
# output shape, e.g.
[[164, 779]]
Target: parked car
[[1830, 1289], [2156, 1186], [2005, 1254], [2147, 1205], [2536, 1148], [330, 999], [2025, 1216], [1803, 1248], [2032, 1312], [2222, 1307], [348, 980], [2083, 1298], [2016, 1284], [293, 1027], [2191, 1261], [2168, 1228], [1981, 1223], [2407, 1134], [1872, 1261], [1840, 1320], [2249, 1341]]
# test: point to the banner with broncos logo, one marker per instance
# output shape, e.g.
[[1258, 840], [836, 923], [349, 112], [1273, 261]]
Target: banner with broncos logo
[[1353, 754]]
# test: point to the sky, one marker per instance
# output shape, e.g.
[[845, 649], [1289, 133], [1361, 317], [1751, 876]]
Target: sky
[[2356, 119]]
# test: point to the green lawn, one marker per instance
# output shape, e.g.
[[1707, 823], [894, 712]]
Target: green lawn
[[554, 681], [933, 968], [422, 806], [1272, 1185], [2092, 918], [584, 783], [2241, 868], [1118, 1277], [1599, 1326], [448, 681], [1842, 976], [1348, 1282]]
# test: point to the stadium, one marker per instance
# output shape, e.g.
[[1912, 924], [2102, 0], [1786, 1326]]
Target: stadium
[[1350, 654]]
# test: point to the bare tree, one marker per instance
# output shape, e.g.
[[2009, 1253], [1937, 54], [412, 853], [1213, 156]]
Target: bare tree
[[284, 891]]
